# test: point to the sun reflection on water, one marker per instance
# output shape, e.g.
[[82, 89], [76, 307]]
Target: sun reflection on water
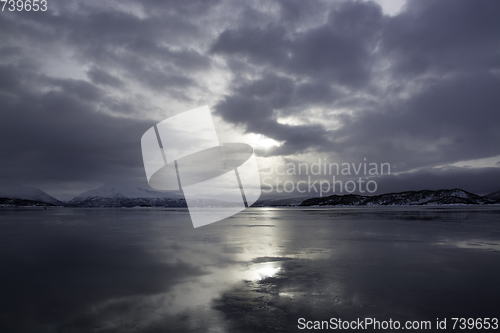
[[262, 271]]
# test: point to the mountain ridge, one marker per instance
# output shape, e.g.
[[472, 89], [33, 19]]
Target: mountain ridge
[[112, 195], [407, 198], [17, 195]]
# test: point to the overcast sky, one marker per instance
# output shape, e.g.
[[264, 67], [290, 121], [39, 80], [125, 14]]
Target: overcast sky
[[415, 84]]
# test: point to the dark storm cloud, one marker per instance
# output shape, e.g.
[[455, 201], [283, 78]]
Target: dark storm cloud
[[253, 104], [338, 50], [415, 89], [318, 63], [60, 134], [450, 120], [480, 181], [444, 36], [119, 40], [267, 45], [60, 129], [434, 102], [99, 76]]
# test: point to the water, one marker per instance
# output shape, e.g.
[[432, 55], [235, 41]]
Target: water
[[148, 270]]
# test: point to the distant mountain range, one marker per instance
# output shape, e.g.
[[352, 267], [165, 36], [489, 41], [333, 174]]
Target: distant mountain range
[[16, 195], [280, 202], [105, 196], [126, 196], [129, 196], [494, 196], [408, 198]]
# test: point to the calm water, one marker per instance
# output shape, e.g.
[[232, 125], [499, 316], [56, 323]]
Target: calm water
[[148, 270]]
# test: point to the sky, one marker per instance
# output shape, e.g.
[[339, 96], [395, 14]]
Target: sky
[[414, 84]]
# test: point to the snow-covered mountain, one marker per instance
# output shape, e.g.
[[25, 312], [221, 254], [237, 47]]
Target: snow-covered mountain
[[112, 195], [17, 195], [409, 198]]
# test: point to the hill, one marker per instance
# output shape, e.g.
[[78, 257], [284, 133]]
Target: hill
[[17, 195], [408, 198]]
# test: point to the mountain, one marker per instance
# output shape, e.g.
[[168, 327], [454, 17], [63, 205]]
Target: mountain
[[279, 202], [494, 196], [17, 195], [111, 195], [408, 198]]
